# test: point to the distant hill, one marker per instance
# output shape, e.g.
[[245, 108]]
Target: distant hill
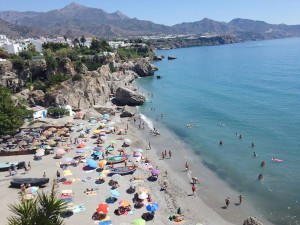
[[75, 20], [16, 31]]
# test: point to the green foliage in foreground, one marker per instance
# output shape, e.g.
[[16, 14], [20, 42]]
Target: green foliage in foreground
[[56, 112], [44, 210], [137, 51], [11, 115]]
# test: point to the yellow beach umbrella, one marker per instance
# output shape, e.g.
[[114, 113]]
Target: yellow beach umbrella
[[52, 129], [42, 138], [102, 163]]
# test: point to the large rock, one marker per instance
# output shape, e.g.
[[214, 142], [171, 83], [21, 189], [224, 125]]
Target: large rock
[[144, 68], [128, 111], [252, 221], [37, 97], [91, 90], [125, 96], [105, 109]]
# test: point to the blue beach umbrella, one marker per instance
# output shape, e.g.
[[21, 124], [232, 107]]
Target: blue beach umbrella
[[97, 153], [80, 151], [139, 150], [152, 207], [114, 192], [91, 163], [97, 148]]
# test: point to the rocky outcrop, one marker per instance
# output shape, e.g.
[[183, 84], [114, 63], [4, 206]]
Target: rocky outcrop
[[158, 57], [144, 68], [125, 96], [128, 111], [11, 78], [36, 97], [252, 221], [91, 90], [105, 109]]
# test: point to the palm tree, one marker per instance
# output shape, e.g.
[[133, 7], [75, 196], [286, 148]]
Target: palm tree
[[45, 209], [82, 40]]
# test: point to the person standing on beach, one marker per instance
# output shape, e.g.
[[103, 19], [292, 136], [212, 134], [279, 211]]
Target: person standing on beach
[[163, 155], [241, 199], [193, 189], [170, 154], [227, 202], [29, 166], [149, 145], [165, 152], [187, 167]]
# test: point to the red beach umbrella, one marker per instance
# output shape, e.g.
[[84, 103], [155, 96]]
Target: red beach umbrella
[[102, 208]]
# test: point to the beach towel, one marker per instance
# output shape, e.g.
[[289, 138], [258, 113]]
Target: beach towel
[[107, 222], [79, 208], [91, 193], [173, 214], [67, 182]]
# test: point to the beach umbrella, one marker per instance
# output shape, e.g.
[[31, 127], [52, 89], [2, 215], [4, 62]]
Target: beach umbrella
[[105, 171], [116, 177], [97, 153], [138, 221], [67, 160], [152, 207], [155, 172], [52, 129], [65, 129], [57, 125], [69, 125], [81, 145], [39, 154], [91, 163], [31, 190], [111, 128], [35, 143], [57, 138], [61, 132], [111, 123], [48, 133], [60, 151], [51, 143], [40, 150], [105, 115], [102, 163], [80, 151], [79, 114], [42, 138], [27, 138], [97, 148], [113, 141], [124, 203], [102, 208], [114, 192], [139, 150], [104, 121], [143, 190], [127, 141], [143, 196], [97, 131]]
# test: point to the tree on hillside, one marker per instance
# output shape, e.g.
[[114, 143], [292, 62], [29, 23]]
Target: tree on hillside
[[45, 209], [82, 40], [11, 115], [66, 38], [76, 41]]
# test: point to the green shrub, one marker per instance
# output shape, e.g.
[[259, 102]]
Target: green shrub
[[51, 62], [56, 79], [56, 112], [77, 77], [25, 54], [18, 64]]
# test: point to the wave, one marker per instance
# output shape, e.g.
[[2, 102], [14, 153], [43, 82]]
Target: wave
[[147, 121]]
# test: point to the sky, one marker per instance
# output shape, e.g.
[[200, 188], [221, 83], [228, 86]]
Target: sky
[[170, 12]]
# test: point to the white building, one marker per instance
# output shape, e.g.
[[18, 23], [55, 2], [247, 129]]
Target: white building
[[37, 44], [39, 112]]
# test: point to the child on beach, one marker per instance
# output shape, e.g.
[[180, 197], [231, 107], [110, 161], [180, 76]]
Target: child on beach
[[193, 189]]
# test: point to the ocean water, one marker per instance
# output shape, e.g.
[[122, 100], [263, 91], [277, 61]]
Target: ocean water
[[252, 89]]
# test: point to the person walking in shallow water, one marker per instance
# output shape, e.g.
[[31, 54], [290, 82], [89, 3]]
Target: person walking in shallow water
[[241, 199], [227, 202]]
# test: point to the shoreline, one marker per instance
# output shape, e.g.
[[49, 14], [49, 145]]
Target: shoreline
[[212, 190]]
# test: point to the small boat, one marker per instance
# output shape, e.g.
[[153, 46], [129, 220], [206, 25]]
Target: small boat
[[16, 183], [122, 170], [6, 166], [171, 57], [116, 159]]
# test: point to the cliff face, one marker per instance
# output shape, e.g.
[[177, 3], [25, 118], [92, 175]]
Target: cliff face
[[92, 88]]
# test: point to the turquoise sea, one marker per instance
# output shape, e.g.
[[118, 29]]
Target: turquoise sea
[[251, 89]]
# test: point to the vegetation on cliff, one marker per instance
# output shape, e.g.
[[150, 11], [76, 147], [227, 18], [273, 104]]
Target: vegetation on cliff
[[11, 115]]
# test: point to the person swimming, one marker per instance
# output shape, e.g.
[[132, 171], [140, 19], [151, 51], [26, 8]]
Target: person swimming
[[189, 125], [263, 163], [260, 176]]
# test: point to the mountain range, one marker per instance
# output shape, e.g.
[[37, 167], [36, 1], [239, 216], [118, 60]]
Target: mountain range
[[75, 20]]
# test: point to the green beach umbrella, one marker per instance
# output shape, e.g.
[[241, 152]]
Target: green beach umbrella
[[138, 221]]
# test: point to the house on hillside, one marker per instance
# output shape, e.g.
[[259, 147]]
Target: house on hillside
[[39, 112]]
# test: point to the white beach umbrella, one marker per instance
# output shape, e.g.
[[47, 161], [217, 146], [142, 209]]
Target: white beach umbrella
[[143, 196], [116, 177]]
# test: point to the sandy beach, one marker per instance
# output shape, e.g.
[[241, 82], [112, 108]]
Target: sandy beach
[[206, 207]]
